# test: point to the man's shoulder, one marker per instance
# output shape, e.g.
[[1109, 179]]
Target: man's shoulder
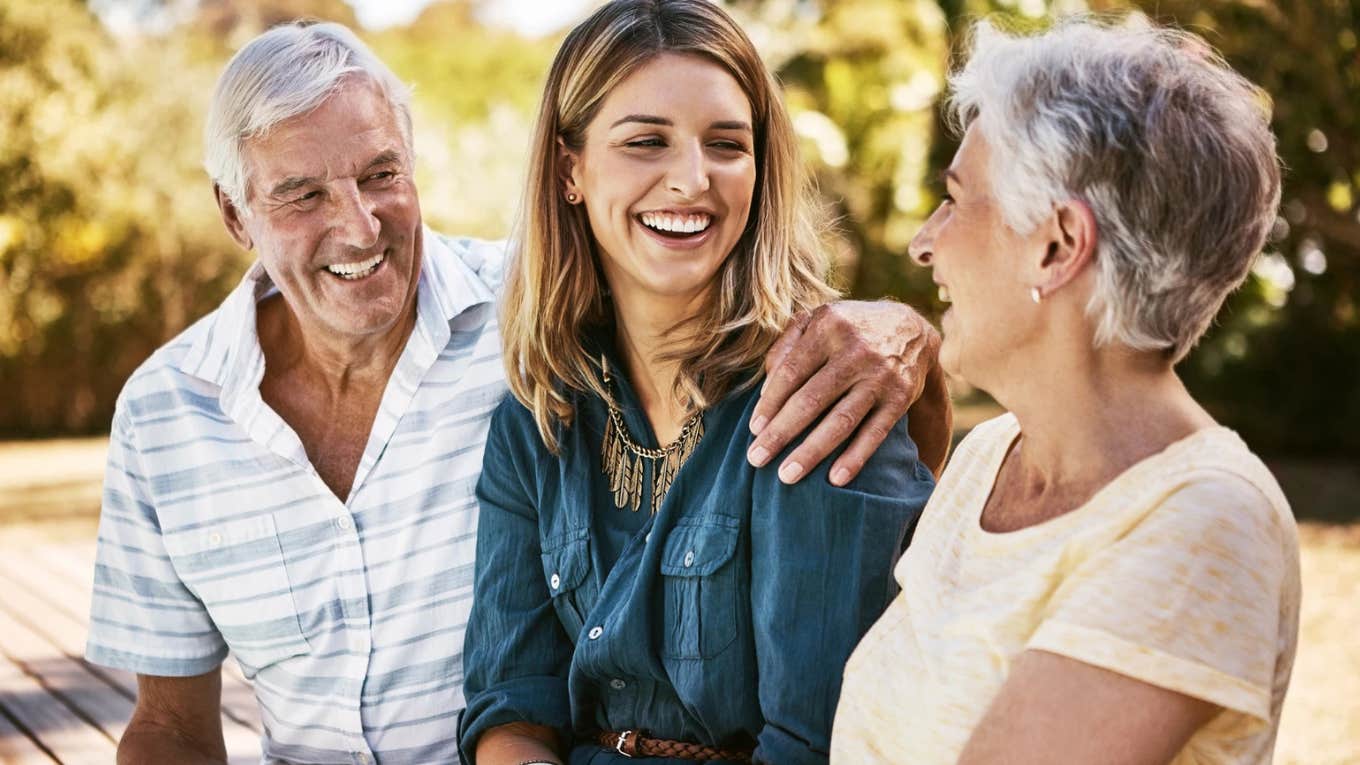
[[161, 381], [485, 258]]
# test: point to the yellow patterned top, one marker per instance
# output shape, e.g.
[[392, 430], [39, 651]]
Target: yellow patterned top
[[1183, 573]]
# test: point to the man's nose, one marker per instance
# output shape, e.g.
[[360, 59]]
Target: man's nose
[[355, 219], [688, 172]]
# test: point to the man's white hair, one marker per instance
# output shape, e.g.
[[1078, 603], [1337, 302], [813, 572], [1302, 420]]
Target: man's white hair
[[1170, 148], [285, 72]]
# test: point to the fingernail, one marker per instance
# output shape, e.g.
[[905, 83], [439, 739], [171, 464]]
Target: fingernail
[[758, 456], [759, 423], [764, 383], [790, 472], [840, 477]]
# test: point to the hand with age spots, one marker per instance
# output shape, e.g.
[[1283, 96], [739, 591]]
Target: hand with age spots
[[859, 366]]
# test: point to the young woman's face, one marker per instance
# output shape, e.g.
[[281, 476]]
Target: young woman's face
[[666, 175]]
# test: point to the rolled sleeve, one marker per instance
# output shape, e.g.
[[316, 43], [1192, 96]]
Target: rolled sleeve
[[142, 617], [1190, 601], [516, 654], [821, 574]]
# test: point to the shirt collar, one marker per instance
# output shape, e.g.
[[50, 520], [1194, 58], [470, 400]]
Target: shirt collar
[[227, 353]]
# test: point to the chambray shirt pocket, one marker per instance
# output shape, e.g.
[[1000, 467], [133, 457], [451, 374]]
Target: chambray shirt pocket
[[700, 588], [566, 561], [236, 568]]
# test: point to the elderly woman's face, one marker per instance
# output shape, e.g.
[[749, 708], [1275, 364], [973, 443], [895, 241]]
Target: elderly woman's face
[[667, 174], [978, 265]]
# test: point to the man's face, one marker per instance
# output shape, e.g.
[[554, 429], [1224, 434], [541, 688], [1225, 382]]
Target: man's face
[[333, 213]]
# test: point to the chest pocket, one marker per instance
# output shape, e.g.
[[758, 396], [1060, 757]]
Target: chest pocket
[[699, 578], [237, 570], [566, 561]]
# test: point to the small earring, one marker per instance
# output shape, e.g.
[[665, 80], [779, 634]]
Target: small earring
[[1036, 295], [571, 197]]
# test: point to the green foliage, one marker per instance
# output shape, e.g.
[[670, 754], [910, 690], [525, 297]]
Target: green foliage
[[110, 242]]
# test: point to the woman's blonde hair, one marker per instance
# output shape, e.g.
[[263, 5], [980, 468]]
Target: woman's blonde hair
[[555, 292]]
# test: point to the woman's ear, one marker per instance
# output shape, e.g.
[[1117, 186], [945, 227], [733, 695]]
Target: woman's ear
[[1072, 238], [567, 172]]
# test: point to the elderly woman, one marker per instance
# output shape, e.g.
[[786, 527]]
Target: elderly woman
[[1104, 575], [641, 589]]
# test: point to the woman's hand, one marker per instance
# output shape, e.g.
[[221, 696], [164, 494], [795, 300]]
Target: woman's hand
[[863, 365], [515, 743], [1055, 709]]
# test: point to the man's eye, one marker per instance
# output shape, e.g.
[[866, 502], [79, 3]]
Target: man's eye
[[309, 196], [385, 175]]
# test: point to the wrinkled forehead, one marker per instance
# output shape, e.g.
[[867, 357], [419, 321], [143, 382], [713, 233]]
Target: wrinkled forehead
[[341, 137]]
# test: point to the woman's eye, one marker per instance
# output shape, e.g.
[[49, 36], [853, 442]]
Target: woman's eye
[[728, 146], [646, 143]]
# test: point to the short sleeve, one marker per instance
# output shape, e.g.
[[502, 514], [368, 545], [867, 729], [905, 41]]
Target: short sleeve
[[142, 617], [1192, 599]]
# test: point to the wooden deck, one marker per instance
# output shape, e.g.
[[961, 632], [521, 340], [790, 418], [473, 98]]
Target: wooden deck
[[54, 705]]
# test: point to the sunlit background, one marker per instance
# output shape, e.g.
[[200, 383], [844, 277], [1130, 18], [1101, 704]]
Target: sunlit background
[[110, 243]]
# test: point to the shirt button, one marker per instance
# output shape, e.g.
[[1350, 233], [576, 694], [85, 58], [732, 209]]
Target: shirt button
[[595, 633], [344, 522], [215, 539], [617, 684], [647, 538], [689, 559], [556, 581]]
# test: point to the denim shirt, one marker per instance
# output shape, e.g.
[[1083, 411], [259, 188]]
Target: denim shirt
[[725, 619]]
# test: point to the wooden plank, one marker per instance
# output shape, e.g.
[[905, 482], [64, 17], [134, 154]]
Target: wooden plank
[[16, 748], [47, 615], [88, 696], [64, 587], [71, 740]]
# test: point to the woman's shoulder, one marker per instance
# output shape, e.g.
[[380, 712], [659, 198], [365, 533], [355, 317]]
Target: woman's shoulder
[[514, 429]]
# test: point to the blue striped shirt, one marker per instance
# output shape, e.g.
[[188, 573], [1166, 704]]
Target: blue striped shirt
[[216, 533]]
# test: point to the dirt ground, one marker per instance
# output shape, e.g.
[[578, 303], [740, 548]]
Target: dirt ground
[[51, 489]]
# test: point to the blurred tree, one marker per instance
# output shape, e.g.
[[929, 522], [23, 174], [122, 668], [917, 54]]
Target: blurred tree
[[106, 245], [861, 79]]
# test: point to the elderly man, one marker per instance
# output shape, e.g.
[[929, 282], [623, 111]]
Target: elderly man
[[292, 478]]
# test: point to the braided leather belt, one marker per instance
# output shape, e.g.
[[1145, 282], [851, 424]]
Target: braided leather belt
[[631, 743]]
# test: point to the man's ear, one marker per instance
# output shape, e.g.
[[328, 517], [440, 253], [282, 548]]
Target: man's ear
[[567, 171], [232, 218], [1072, 239]]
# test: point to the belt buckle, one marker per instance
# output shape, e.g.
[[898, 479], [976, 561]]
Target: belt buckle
[[623, 741]]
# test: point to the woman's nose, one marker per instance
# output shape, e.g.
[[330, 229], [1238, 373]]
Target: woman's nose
[[688, 173]]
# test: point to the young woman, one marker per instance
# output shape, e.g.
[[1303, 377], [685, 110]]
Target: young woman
[[641, 590]]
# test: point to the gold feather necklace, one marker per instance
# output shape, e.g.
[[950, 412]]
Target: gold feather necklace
[[621, 459]]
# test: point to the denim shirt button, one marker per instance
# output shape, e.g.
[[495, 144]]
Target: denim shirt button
[[556, 581], [617, 684], [595, 632], [689, 559]]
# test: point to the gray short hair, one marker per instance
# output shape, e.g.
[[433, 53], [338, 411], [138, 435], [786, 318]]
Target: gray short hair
[[287, 71], [1169, 147]]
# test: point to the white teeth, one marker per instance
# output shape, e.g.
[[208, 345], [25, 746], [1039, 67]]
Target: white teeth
[[944, 294], [356, 270], [681, 224]]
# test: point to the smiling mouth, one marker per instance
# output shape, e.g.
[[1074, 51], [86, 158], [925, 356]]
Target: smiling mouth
[[679, 226], [358, 269]]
